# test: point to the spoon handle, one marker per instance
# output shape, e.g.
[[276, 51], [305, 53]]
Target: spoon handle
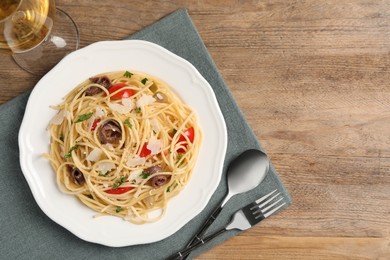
[[185, 252], [205, 226]]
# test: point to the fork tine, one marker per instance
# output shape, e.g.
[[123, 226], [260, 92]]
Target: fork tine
[[261, 206], [255, 213], [262, 199], [269, 213], [266, 206], [268, 209]]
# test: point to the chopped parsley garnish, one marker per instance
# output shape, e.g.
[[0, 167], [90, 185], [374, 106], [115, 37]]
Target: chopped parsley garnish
[[119, 182], [68, 155], [169, 187], [127, 122], [134, 181], [62, 137], [138, 110], [118, 209], [154, 132], [144, 81], [128, 74], [84, 117], [144, 175]]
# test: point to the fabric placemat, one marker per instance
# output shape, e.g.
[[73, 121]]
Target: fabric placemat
[[27, 233]]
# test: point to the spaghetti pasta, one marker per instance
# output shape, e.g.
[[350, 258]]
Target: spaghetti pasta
[[124, 144]]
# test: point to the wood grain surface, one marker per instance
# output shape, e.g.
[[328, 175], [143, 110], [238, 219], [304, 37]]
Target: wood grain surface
[[312, 78]]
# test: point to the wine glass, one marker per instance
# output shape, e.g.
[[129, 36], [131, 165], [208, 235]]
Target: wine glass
[[36, 33]]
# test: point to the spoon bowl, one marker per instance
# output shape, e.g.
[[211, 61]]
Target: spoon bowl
[[246, 172]]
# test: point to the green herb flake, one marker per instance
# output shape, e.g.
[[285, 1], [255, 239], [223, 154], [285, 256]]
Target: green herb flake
[[138, 110], [144, 81], [84, 117], [128, 74], [169, 189], [144, 175], [119, 182], [127, 122], [118, 209], [68, 155], [134, 181]]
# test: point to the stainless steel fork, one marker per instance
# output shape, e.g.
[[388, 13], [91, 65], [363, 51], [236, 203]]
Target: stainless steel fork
[[243, 219]]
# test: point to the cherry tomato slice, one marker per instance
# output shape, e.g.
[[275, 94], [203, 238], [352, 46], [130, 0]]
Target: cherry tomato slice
[[94, 124], [144, 151], [121, 94], [119, 190], [190, 133]]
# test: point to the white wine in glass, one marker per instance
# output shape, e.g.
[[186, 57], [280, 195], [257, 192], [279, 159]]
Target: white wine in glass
[[36, 33]]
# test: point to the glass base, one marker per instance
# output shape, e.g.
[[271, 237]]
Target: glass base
[[63, 39]]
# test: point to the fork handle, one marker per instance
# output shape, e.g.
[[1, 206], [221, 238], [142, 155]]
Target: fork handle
[[185, 252], [205, 226]]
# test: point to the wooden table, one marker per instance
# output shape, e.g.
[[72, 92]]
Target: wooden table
[[313, 80]]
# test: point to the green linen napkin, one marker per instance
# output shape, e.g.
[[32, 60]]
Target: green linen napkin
[[27, 233]]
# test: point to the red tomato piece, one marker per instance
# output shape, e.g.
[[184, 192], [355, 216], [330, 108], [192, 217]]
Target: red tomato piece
[[121, 94], [144, 151], [94, 124], [190, 133], [119, 190]]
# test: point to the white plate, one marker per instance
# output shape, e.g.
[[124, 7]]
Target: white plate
[[103, 57]]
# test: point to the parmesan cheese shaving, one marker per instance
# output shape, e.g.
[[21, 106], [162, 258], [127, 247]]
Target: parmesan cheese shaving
[[154, 145], [128, 102], [154, 125], [145, 100], [121, 109], [59, 117], [94, 155], [105, 167], [109, 146], [100, 113], [135, 176], [134, 161]]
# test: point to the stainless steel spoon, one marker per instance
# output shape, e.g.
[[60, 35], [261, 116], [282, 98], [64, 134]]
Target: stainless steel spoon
[[244, 173]]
